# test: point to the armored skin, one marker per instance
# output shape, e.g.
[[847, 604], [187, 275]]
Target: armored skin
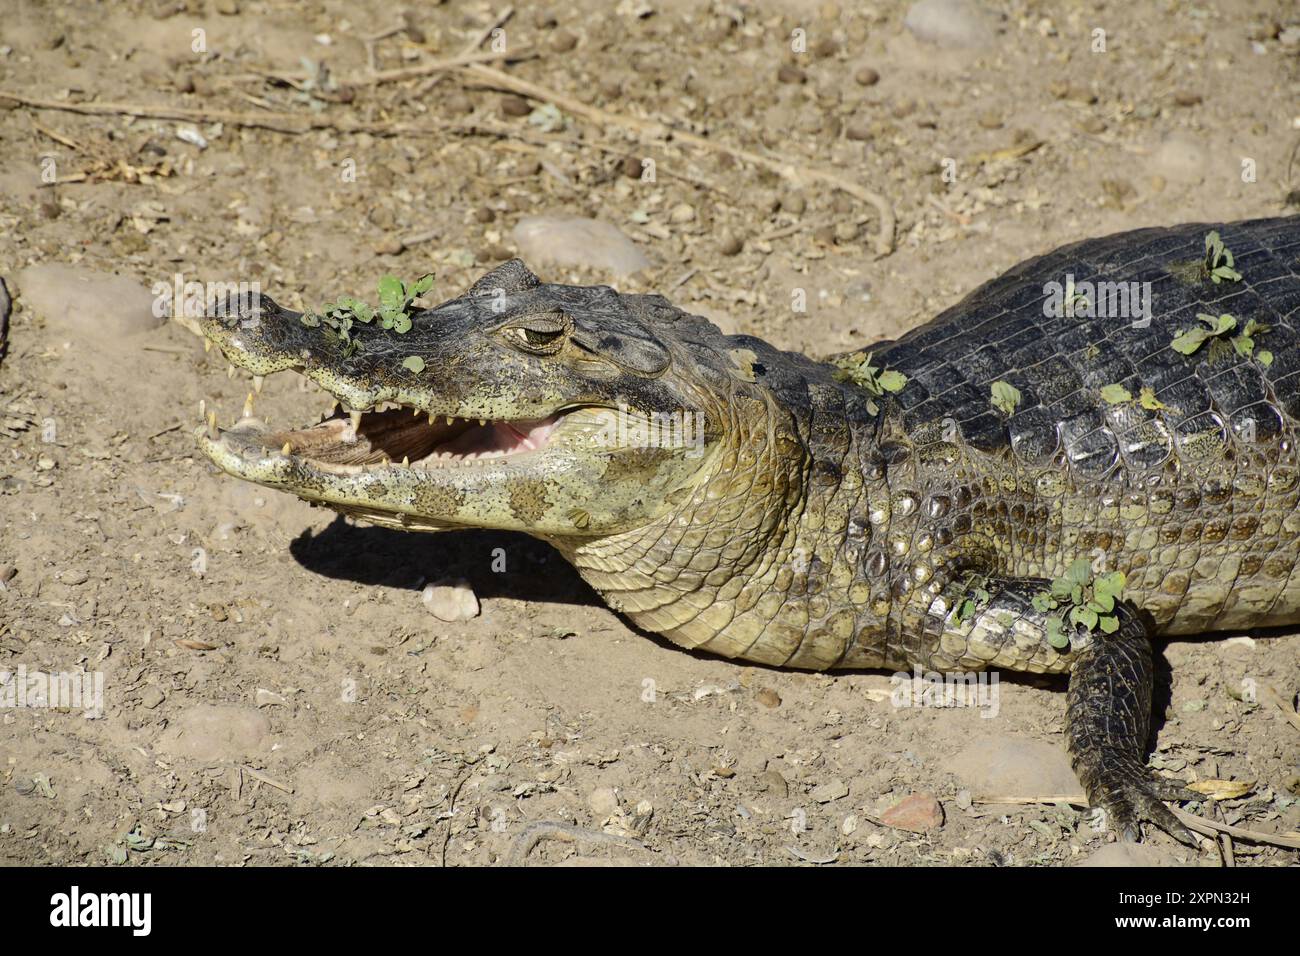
[[762, 505]]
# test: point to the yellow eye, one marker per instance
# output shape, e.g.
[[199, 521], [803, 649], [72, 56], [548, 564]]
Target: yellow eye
[[538, 338]]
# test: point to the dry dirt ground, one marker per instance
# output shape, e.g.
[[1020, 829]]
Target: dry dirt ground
[[274, 691]]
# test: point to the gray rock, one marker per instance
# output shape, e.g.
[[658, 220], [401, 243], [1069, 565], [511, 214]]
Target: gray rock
[[575, 241], [950, 23], [450, 600], [85, 305], [1015, 767]]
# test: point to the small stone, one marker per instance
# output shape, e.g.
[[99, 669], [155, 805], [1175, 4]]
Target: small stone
[[768, 698], [151, 697], [794, 204], [631, 167], [825, 47], [389, 246], [1093, 124], [227, 8], [866, 76], [484, 214], [562, 41], [574, 241], [603, 802], [845, 231], [544, 20], [824, 235], [789, 73], [1187, 98], [49, 209], [451, 600], [218, 613], [74, 577], [858, 130], [265, 698], [771, 781], [731, 245], [515, 106], [831, 790], [990, 120], [682, 213], [917, 814]]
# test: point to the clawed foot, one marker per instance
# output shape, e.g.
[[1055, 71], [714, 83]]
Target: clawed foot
[[1131, 794]]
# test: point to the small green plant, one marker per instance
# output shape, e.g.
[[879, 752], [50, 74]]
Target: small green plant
[[1004, 396], [394, 312], [1219, 263], [1082, 600], [1147, 399], [1219, 327], [979, 597], [857, 368]]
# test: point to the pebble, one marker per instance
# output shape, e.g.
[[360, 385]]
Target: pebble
[[562, 41], [682, 213], [450, 600], [603, 802], [831, 790], [990, 120], [1187, 98], [152, 697], [789, 73], [575, 241], [484, 214], [845, 231], [794, 204], [949, 23], [773, 782], [74, 577], [515, 106], [731, 245], [866, 76], [768, 697], [858, 130], [916, 813]]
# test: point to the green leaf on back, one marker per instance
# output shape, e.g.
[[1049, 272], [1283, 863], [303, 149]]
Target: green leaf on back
[[1056, 635], [1116, 394], [414, 363], [1082, 614], [402, 324], [1109, 623], [1264, 357], [891, 381], [420, 286], [1147, 399], [1004, 396]]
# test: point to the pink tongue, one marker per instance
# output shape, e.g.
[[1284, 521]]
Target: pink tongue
[[505, 437]]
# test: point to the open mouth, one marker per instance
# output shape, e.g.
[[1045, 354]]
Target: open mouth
[[350, 442]]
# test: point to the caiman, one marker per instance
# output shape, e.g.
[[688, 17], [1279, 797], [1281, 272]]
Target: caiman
[[919, 508]]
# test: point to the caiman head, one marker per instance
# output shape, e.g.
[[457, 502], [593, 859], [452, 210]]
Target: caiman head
[[633, 436]]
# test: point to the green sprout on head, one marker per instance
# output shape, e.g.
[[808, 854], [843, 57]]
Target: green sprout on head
[[1218, 327], [857, 368], [1218, 260], [1083, 600], [394, 312]]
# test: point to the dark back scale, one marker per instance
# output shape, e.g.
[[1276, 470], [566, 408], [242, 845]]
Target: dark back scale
[[1196, 501]]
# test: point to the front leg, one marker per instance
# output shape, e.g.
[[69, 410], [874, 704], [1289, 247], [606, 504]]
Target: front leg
[[977, 622]]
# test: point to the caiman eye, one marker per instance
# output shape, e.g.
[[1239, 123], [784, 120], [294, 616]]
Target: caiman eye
[[539, 333], [538, 338]]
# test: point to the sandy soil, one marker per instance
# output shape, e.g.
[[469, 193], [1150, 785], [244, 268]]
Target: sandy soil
[[274, 691]]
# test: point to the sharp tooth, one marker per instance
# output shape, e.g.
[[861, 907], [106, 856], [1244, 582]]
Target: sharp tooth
[[482, 422], [203, 408], [257, 383], [207, 345], [406, 461], [285, 450], [450, 420], [248, 406], [356, 420], [212, 424], [415, 411]]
